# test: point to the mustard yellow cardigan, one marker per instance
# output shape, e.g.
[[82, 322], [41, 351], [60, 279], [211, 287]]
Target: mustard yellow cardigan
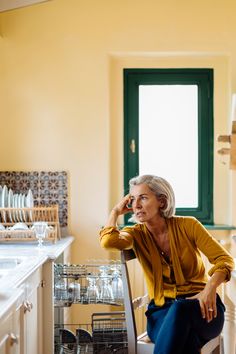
[[187, 238]]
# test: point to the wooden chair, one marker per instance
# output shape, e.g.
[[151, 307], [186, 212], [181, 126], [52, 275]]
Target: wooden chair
[[142, 344]]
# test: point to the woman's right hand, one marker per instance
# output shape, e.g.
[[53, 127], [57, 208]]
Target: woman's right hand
[[123, 206], [119, 209]]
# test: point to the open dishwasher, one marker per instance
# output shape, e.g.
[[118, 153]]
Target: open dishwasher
[[87, 284]]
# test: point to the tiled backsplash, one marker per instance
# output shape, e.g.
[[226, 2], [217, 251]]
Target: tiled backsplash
[[47, 187]]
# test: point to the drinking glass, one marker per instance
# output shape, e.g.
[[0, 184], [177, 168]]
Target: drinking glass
[[74, 289], [106, 293], [116, 283], [60, 289], [40, 228], [92, 289]]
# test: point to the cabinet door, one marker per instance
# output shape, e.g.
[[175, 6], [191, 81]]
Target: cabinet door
[[5, 329], [16, 332], [48, 309], [31, 324], [31, 316], [9, 339]]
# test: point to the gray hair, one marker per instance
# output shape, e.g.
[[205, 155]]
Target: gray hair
[[161, 188]]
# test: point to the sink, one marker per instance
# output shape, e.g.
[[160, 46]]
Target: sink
[[12, 267], [7, 263]]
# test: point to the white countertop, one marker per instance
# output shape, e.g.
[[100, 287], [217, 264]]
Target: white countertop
[[30, 258]]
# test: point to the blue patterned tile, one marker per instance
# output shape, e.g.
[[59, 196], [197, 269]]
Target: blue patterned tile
[[48, 187]]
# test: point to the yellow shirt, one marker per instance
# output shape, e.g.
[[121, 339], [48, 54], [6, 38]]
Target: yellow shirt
[[187, 238]]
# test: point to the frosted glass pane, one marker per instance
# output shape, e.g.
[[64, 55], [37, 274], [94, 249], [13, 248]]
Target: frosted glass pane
[[168, 138]]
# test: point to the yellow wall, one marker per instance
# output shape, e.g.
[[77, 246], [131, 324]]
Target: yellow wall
[[61, 91]]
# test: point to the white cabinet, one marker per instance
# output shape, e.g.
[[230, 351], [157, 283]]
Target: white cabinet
[[29, 327], [14, 337], [48, 309], [10, 330], [31, 317], [21, 326], [27, 310], [5, 331]]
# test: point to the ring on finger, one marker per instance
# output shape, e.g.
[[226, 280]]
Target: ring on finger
[[210, 309]]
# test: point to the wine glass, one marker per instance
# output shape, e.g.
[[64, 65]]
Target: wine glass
[[40, 228]]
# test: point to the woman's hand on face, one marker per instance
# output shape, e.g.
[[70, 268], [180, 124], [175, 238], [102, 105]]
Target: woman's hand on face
[[123, 206], [207, 302]]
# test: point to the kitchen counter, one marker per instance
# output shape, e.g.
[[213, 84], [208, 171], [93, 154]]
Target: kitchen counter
[[28, 258]]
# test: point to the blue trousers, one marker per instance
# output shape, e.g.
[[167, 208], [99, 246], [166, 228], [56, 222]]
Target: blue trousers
[[177, 327]]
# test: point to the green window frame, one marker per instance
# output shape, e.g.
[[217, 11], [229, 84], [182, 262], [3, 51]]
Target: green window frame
[[203, 78]]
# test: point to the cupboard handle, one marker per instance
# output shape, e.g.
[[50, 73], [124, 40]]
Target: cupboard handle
[[27, 306], [13, 339], [43, 283], [132, 146]]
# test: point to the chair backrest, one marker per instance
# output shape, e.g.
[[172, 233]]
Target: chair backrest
[[127, 255], [136, 344]]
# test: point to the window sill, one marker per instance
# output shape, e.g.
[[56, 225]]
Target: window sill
[[220, 227], [208, 227]]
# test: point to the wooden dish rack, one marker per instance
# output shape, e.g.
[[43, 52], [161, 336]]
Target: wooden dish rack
[[11, 216]]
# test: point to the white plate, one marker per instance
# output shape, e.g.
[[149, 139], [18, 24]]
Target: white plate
[[23, 197], [4, 196], [4, 200], [30, 203], [15, 205], [29, 199], [19, 206], [10, 204], [0, 196], [19, 226], [13, 215]]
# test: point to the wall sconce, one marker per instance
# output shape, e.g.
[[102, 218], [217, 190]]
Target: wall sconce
[[230, 139], [231, 151]]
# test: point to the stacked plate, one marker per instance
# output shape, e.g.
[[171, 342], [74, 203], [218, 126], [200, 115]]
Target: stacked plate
[[17, 201]]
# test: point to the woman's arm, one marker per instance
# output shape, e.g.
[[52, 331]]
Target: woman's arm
[[120, 209], [220, 272], [112, 219], [217, 255], [110, 236]]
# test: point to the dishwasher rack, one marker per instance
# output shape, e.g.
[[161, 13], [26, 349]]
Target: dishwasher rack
[[88, 284], [107, 334]]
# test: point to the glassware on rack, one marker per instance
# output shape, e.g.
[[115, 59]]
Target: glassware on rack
[[60, 289], [74, 289], [106, 293], [40, 228], [116, 283], [92, 293]]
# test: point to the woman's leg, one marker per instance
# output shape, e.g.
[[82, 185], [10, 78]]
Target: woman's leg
[[178, 327], [155, 319]]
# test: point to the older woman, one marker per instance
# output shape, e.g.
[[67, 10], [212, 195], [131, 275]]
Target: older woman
[[185, 310]]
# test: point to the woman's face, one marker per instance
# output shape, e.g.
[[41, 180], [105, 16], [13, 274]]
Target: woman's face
[[144, 202]]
